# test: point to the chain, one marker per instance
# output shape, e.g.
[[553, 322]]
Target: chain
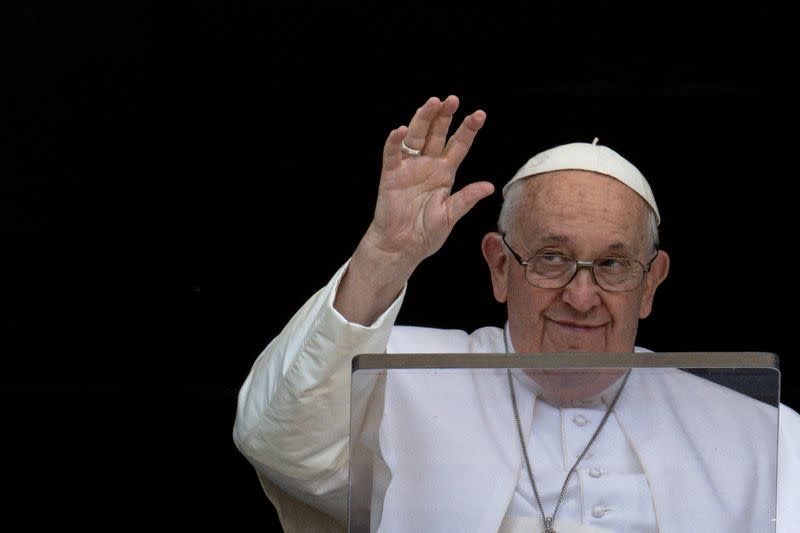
[[548, 520]]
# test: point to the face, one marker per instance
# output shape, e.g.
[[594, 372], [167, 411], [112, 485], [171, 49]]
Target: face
[[584, 215]]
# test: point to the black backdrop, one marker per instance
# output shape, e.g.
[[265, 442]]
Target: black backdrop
[[141, 140]]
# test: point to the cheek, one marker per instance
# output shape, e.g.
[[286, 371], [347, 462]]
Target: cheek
[[526, 311], [625, 316], [528, 303]]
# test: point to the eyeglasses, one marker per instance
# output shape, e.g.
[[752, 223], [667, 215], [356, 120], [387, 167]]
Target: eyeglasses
[[554, 271]]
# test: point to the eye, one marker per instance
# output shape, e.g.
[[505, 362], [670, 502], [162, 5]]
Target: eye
[[607, 262], [614, 264], [553, 259]]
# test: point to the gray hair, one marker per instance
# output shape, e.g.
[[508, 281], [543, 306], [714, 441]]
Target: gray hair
[[509, 214]]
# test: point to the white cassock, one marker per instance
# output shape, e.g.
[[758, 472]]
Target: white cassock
[[679, 454]]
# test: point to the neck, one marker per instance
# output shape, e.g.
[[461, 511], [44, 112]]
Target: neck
[[571, 387]]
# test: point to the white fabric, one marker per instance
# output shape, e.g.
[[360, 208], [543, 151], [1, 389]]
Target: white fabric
[[293, 425], [609, 488], [586, 156], [518, 524], [455, 463]]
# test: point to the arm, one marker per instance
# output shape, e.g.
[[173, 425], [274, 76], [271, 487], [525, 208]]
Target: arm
[[292, 419]]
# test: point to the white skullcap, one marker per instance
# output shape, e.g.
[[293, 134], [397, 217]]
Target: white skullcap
[[586, 156]]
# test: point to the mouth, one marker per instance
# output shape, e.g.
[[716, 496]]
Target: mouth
[[570, 335], [577, 327]]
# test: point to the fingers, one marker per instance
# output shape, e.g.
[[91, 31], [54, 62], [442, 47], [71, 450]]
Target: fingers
[[428, 131], [459, 144], [420, 125], [437, 135], [392, 156]]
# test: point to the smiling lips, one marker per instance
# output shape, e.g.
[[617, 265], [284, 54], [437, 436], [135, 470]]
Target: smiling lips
[[575, 326]]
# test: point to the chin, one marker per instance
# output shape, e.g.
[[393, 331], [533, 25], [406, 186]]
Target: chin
[[567, 385], [578, 347]]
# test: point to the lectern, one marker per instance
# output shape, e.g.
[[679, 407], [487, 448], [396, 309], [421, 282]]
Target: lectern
[[436, 440]]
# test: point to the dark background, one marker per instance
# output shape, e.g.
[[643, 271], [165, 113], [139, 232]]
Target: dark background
[[143, 140]]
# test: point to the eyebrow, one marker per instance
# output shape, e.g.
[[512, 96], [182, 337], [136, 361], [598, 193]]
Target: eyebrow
[[550, 237], [553, 238]]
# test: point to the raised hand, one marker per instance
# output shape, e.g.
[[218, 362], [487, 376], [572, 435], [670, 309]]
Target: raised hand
[[416, 207]]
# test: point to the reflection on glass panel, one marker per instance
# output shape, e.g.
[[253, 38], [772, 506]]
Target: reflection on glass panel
[[580, 442]]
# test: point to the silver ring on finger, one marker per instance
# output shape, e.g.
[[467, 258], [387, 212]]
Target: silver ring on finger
[[408, 150]]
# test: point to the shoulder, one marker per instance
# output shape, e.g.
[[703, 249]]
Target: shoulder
[[790, 420], [416, 339], [718, 401]]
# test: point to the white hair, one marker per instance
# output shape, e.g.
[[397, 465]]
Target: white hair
[[510, 211]]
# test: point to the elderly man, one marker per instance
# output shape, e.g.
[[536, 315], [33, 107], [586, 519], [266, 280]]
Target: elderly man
[[577, 263]]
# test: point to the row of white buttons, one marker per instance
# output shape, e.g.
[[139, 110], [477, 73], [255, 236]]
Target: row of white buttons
[[598, 511]]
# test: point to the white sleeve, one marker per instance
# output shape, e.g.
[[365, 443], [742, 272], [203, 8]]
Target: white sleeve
[[293, 413], [788, 470]]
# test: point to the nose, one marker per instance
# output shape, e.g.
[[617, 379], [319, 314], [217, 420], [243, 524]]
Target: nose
[[582, 292]]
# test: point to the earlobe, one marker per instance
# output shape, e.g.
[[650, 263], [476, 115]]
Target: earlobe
[[659, 269], [497, 260]]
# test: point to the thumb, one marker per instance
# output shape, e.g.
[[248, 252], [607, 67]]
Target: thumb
[[461, 202]]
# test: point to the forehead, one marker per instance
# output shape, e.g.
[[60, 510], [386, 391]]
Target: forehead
[[581, 207]]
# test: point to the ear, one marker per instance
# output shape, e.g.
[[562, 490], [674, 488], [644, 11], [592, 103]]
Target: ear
[[495, 254], [658, 273]]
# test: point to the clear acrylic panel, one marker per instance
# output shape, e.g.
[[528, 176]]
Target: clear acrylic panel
[[435, 446]]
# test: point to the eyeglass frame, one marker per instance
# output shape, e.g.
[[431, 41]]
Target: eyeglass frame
[[579, 265]]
